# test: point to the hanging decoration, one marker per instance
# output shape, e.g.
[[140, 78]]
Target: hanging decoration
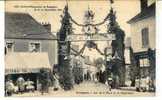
[[90, 24], [89, 28]]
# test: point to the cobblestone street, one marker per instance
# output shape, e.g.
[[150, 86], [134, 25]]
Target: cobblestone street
[[89, 89]]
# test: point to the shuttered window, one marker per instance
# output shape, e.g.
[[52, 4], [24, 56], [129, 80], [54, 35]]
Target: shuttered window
[[10, 46], [145, 37], [34, 47]]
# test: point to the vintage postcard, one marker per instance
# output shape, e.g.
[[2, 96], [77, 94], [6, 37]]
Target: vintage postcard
[[80, 48]]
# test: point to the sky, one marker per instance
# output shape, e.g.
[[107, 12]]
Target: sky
[[125, 10]]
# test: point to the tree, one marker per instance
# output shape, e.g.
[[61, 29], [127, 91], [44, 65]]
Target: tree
[[65, 69], [117, 47]]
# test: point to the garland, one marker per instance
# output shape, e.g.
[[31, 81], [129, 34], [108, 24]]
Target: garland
[[99, 51], [94, 25], [83, 48], [84, 25]]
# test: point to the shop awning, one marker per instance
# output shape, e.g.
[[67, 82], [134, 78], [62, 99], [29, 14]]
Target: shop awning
[[26, 62]]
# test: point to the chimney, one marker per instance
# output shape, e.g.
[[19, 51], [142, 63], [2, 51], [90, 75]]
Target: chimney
[[47, 26], [143, 5]]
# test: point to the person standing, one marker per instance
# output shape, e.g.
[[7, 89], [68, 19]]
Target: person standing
[[20, 82], [110, 83], [9, 88], [56, 82], [44, 80], [29, 85]]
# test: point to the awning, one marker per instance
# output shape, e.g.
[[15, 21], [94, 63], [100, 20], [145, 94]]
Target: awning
[[23, 62]]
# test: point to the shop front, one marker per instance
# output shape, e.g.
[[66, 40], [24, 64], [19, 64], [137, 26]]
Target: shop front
[[25, 65], [146, 69]]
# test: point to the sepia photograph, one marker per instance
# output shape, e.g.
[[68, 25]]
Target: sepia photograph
[[80, 48]]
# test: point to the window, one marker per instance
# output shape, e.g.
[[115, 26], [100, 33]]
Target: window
[[34, 47], [9, 46], [144, 62], [145, 38]]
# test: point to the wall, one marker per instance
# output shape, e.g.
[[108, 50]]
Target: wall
[[50, 46], [136, 37]]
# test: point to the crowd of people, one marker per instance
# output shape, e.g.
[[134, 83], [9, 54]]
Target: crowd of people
[[47, 79], [20, 85]]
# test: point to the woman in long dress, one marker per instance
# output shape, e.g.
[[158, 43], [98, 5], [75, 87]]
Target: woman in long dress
[[56, 82]]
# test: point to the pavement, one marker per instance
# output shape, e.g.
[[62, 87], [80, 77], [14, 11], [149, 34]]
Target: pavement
[[85, 89]]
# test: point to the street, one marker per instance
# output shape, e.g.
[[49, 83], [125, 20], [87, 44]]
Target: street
[[88, 89]]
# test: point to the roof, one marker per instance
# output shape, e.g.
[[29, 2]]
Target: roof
[[150, 11], [23, 62], [24, 26]]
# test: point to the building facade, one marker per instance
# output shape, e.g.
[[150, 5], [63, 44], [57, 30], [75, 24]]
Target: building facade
[[143, 28], [24, 34], [143, 40]]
